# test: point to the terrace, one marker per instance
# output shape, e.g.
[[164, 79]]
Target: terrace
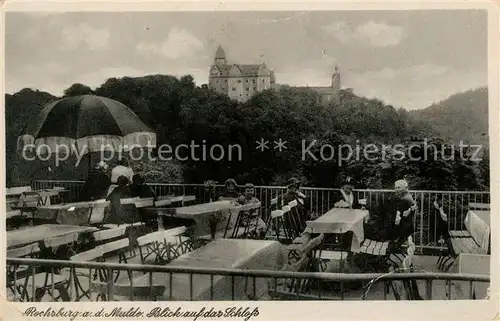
[[137, 279]]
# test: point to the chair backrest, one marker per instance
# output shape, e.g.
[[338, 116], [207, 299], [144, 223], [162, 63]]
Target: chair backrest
[[114, 246], [87, 256], [29, 199], [276, 214], [104, 235], [128, 201], [479, 206], [479, 230], [176, 231], [163, 202], [98, 211], [150, 238], [61, 240], [24, 251]]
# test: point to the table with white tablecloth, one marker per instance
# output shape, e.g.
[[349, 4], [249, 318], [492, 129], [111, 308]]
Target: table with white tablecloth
[[222, 254], [202, 213], [338, 221]]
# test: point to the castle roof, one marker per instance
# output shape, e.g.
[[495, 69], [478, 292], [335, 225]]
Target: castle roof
[[220, 53], [245, 70]]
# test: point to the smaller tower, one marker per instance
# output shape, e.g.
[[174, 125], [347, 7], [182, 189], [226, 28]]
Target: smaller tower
[[220, 56], [336, 85]]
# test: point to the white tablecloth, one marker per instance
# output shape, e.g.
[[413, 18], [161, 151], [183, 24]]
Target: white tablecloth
[[226, 254], [341, 220], [201, 214]]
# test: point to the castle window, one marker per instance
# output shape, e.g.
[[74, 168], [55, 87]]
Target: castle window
[[239, 81], [248, 89], [234, 89], [253, 81], [225, 81], [254, 88]]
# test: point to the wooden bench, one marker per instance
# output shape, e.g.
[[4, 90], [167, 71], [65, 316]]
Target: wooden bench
[[473, 240]]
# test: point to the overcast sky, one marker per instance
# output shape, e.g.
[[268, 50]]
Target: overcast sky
[[407, 58]]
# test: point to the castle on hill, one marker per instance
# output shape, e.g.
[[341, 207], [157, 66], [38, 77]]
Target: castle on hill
[[242, 81]]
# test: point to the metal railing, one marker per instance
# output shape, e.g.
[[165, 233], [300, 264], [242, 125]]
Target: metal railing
[[320, 200], [50, 266]]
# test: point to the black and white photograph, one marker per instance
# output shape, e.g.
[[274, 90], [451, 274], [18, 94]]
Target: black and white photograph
[[258, 155]]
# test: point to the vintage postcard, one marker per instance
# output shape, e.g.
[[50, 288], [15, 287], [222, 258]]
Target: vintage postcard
[[250, 161]]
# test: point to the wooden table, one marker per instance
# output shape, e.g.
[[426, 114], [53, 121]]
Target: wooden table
[[341, 220], [225, 254], [201, 213], [38, 233], [471, 264], [71, 213]]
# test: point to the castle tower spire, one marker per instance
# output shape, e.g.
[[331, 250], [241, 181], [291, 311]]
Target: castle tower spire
[[336, 84], [220, 56]]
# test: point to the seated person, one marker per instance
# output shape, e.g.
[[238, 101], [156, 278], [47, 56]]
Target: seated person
[[251, 218], [116, 214], [229, 191], [139, 188], [293, 194], [121, 169], [97, 184], [347, 198], [392, 220]]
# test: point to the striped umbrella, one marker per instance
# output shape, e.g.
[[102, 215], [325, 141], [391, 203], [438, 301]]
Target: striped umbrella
[[85, 124]]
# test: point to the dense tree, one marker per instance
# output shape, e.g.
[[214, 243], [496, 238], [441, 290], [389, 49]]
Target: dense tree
[[182, 113], [77, 90]]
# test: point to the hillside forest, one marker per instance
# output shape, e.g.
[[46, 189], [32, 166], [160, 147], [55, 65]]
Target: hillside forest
[[179, 112]]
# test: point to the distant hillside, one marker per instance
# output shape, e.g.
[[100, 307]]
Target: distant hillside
[[463, 116]]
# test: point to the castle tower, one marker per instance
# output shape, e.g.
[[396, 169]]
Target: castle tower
[[220, 56], [336, 85]]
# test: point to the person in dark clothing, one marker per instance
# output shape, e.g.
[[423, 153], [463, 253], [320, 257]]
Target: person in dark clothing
[[97, 184], [139, 188], [392, 219], [229, 191], [116, 211], [347, 199]]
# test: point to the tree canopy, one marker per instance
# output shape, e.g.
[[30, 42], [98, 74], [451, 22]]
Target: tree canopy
[[181, 113]]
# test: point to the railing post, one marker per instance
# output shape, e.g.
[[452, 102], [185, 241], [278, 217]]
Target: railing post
[[428, 289]]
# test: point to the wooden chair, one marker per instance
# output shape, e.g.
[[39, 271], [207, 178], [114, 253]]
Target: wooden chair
[[23, 279], [159, 248], [474, 240], [95, 255], [97, 214], [28, 202], [104, 236]]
